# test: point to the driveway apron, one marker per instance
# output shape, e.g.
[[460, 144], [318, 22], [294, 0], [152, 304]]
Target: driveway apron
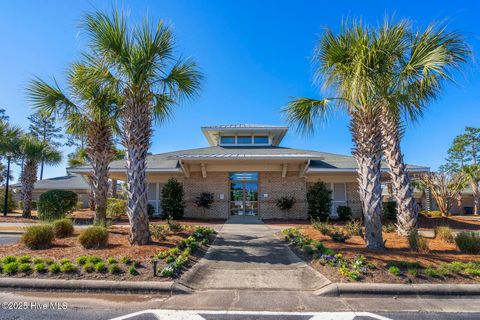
[[247, 254]]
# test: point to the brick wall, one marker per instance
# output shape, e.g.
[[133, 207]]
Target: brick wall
[[216, 183], [276, 187]]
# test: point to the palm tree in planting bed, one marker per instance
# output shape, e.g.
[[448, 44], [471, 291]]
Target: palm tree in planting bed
[[413, 69], [33, 152], [89, 108], [152, 81], [347, 63]]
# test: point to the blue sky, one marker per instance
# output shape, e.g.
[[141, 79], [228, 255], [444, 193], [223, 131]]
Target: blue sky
[[255, 57]]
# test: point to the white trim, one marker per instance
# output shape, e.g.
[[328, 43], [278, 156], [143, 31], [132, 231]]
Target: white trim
[[87, 170]]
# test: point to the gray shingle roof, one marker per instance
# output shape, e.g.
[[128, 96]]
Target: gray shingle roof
[[244, 125], [69, 182], [319, 160]]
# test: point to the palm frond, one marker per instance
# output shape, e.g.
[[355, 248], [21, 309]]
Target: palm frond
[[49, 98]]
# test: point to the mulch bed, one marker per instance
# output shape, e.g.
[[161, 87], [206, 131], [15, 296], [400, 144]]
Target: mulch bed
[[118, 247], [397, 250]]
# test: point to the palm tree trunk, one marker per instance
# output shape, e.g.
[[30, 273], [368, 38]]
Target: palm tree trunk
[[460, 202], [368, 153], [100, 151], [136, 139], [28, 179], [91, 197], [476, 197], [114, 188], [407, 213]]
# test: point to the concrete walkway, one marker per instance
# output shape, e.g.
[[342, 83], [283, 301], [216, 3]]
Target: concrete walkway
[[247, 254]]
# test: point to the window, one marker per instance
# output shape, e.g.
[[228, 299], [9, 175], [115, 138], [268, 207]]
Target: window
[[260, 140], [244, 140], [227, 140]]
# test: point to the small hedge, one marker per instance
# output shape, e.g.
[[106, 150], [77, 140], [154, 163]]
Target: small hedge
[[54, 204], [344, 213], [468, 242], [11, 205], [38, 237], [63, 228], [116, 207], [94, 237]]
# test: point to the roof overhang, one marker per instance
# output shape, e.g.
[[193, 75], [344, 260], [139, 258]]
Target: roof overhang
[[276, 133], [354, 170], [90, 170]]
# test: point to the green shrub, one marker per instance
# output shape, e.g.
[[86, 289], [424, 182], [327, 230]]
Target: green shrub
[[38, 236], [344, 213], [323, 227], [417, 242], [136, 264], [63, 228], [431, 214], [473, 272], [11, 205], [126, 260], [389, 228], [132, 271], [319, 200], [413, 272], [88, 267], [54, 204], [79, 205], [455, 266], [432, 272], [468, 242], [444, 233], [40, 267], [172, 200], [350, 274], [159, 232], [389, 210], [54, 268], [169, 259], [150, 210], [49, 261], [68, 267], [285, 203], [9, 259], [338, 235], [180, 262], [37, 260], [11, 268], [319, 246], [65, 261], [81, 260], [114, 268], [204, 200], [186, 253], [394, 270], [116, 207], [100, 267], [354, 227], [111, 260], [168, 270], [94, 259], [33, 203], [24, 267], [94, 237], [174, 226], [307, 249], [24, 259]]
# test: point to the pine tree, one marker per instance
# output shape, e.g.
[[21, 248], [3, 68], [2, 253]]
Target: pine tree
[[44, 128]]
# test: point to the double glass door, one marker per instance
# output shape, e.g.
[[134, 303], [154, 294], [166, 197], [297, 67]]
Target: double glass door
[[244, 193]]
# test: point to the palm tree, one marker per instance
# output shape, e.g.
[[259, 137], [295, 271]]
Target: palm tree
[[88, 108], [34, 151], [152, 80], [414, 69], [9, 148], [472, 174], [347, 64]]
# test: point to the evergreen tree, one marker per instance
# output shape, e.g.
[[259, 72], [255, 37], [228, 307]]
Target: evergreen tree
[[44, 128]]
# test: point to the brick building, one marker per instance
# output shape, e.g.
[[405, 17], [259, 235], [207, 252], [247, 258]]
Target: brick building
[[247, 171]]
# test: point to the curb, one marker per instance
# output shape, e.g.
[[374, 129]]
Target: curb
[[92, 285], [339, 289]]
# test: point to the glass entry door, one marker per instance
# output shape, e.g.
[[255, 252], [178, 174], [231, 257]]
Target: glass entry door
[[244, 193]]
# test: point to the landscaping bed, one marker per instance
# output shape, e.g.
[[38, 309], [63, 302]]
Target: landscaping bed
[[351, 261], [174, 251]]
